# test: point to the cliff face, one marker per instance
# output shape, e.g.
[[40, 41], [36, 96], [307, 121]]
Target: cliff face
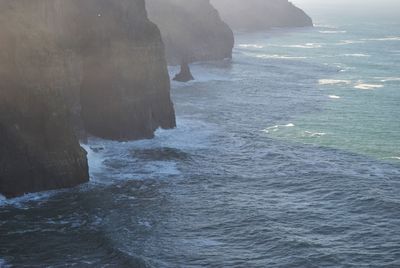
[[125, 89], [192, 30], [261, 14], [38, 150], [93, 65]]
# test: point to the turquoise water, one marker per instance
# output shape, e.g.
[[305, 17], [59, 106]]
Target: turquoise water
[[361, 89]]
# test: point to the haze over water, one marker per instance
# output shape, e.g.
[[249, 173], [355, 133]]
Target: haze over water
[[288, 156]]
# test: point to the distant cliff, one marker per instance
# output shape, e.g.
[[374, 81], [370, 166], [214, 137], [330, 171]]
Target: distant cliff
[[256, 15], [192, 30], [93, 65]]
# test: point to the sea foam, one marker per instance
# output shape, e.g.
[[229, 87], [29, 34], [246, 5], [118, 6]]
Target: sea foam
[[334, 97], [332, 32], [251, 46], [367, 86], [275, 56], [333, 82]]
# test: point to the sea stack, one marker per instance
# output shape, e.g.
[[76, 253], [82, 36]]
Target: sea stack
[[191, 29], [184, 75], [258, 15], [39, 150]]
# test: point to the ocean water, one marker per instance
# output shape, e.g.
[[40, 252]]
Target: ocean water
[[286, 156]]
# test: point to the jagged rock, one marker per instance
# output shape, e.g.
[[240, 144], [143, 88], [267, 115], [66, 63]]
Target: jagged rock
[[184, 75], [257, 15], [192, 30]]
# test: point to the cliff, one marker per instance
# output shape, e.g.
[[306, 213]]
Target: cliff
[[125, 89], [95, 66], [192, 30], [38, 149], [255, 15]]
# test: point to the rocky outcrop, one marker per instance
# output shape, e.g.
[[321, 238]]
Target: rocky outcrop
[[185, 75], [192, 30], [255, 15], [38, 149], [93, 65]]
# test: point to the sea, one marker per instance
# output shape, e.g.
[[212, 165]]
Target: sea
[[288, 155]]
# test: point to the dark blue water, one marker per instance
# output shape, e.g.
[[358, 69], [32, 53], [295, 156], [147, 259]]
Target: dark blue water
[[240, 183]]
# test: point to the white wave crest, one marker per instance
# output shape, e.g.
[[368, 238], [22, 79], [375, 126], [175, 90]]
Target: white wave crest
[[333, 82], [275, 56], [334, 97], [307, 45], [332, 32], [367, 86], [356, 55], [314, 134], [387, 38], [251, 46], [349, 42], [277, 127], [388, 79]]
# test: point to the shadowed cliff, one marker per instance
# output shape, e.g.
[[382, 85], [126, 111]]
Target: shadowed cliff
[[125, 89], [192, 30], [38, 149], [95, 66], [254, 15]]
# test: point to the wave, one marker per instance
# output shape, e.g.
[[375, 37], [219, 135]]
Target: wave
[[251, 46], [3, 264], [277, 127], [332, 32], [307, 45], [368, 86], [334, 97], [314, 134], [23, 202], [275, 56], [388, 79], [356, 55], [333, 82], [350, 42], [387, 38]]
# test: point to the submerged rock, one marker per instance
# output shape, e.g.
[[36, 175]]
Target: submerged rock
[[192, 30], [257, 15], [184, 75]]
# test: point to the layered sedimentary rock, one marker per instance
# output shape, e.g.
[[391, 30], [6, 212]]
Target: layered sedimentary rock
[[192, 30], [38, 149], [256, 15], [98, 65]]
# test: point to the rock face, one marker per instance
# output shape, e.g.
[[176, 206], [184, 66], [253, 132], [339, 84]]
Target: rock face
[[256, 15], [38, 149], [184, 75], [125, 90], [192, 30], [92, 65]]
